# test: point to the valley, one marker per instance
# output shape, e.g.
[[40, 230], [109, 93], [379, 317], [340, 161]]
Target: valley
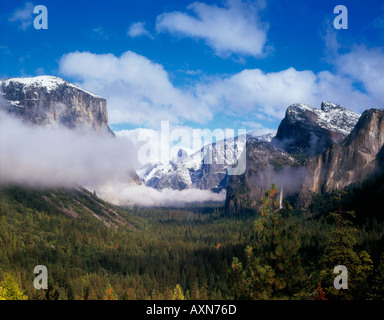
[[319, 178]]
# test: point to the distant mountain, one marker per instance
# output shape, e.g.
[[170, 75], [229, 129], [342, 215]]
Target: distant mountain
[[305, 131], [205, 169], [52, 101], [309, 131]]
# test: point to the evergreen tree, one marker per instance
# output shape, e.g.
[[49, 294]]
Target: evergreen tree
[[278, 244], [339, 250], [378, 281], [259, 277], [237, 279]]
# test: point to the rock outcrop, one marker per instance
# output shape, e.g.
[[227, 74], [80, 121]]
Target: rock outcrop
[[351, 161], [52, 101], [354, 153], [309, 131], [264, 164]]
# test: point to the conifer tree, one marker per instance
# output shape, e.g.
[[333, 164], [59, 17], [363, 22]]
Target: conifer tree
[[237, 278], [378, 281], [339, 250], [278, 243]]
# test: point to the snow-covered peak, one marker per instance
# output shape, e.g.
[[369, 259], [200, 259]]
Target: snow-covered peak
[[331, 116], [50, 83], [329, 107], [265, 137]]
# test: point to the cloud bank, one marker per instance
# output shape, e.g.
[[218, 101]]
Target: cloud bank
[[140, 92], [60, 157], [57, 156], [271, 93], [129, 195]]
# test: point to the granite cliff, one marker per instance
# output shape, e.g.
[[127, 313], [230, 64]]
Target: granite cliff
[[352, 160], [52, 101]]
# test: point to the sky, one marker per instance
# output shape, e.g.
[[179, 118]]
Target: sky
[[210, 64]]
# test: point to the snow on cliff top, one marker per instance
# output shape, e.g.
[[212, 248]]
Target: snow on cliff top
[[331, 116], [50, 83]]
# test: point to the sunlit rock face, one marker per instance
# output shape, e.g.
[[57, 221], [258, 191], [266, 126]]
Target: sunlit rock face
[[351, 161], [52, 101], [310, 131]]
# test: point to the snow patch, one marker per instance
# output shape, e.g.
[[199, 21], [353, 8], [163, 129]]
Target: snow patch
[[50, 83]]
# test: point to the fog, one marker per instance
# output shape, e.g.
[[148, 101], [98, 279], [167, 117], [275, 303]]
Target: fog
[[128, 195], [290, 179], [55, 156]]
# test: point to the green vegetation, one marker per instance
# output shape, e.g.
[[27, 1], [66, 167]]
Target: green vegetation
[[96, 251]]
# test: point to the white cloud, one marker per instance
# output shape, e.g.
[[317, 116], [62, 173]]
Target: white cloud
[[234, 28], [138, 90], [99, 33], [271, 93], [137, 29], [60, 157], [365, 66], [23, 16], [152, 144], [123, 194], [257, 128]]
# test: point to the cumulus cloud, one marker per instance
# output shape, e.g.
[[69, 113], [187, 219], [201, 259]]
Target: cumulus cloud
[[128, 195], [138, 91], [138, 29], [270, 93], [235, 28], [367, 67], [23, 16]]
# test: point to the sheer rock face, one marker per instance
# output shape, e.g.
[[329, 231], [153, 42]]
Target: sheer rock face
[[310, 131], [52, 101], [355, 153], [264, 164], [351, 161]]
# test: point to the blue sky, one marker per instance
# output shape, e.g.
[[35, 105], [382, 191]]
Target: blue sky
[[206, 64]]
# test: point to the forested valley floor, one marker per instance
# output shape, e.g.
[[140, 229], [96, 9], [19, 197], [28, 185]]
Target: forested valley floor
[[195, 253]]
